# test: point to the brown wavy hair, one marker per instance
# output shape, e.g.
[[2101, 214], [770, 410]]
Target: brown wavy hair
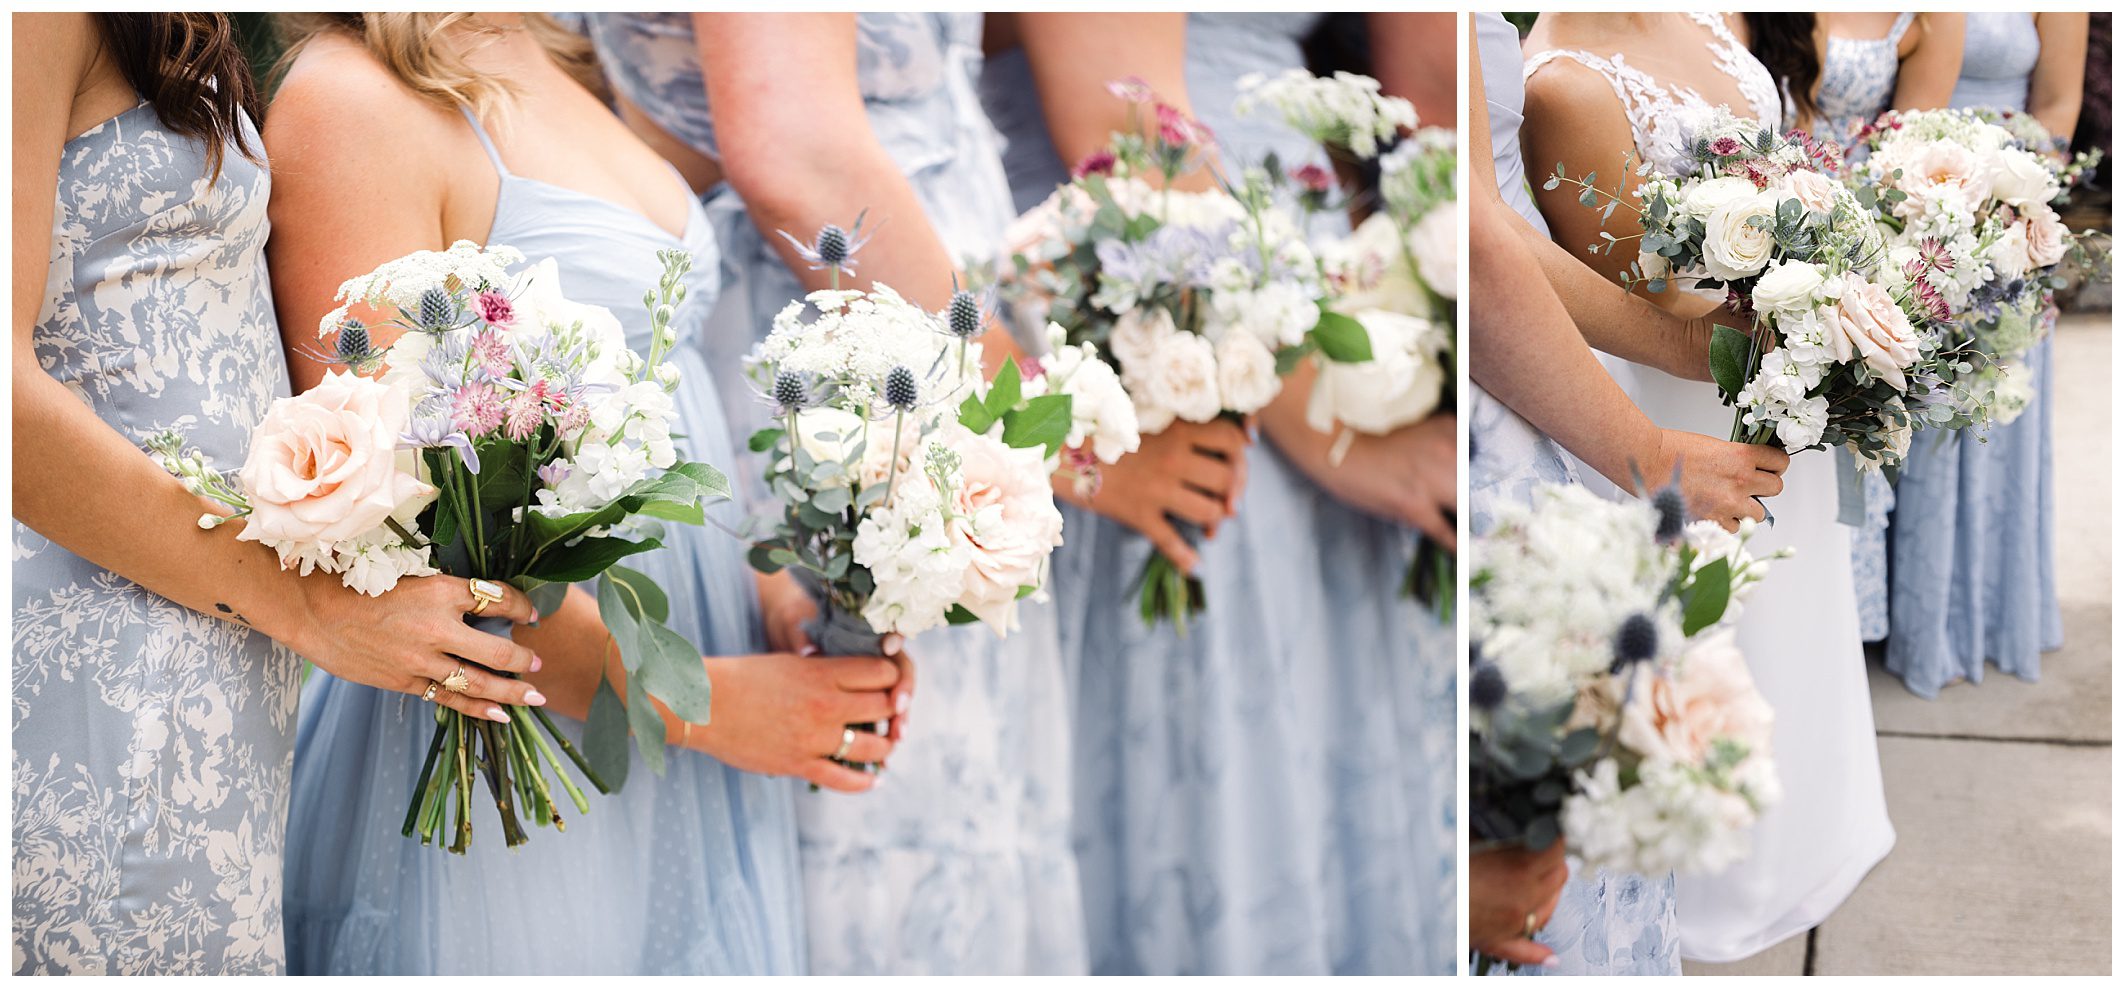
[[192, 70], [1784, 43]]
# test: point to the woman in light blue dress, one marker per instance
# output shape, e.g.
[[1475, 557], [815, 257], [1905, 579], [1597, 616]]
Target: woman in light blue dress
[[959, 862], [1972, 576], [1268, 794], [153, 683], [694, 871]]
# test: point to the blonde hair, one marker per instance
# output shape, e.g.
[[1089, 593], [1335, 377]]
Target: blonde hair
[[406, 45]]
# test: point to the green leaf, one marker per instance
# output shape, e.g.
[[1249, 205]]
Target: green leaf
[[545, 597], [1708, 592], [648, 725], [1044, 421], [762, 559], [644, 597], [960, 615], [975, 416], [605, 735], [1729, 359], [672, 672], [504, 478], [832, 500], [1288, 358], [1004, 391], [683, 513], [587, 559], [764, 440], [1341, 338]]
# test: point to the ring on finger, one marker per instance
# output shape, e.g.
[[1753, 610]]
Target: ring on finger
[[457, 681], [1533, 926], [848, 737], [484, 594], [428, 695]]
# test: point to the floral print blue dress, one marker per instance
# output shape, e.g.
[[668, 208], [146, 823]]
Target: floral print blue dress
[[690, 872], [1971, 573], [1269, 794], [959, 861], [151, 743]]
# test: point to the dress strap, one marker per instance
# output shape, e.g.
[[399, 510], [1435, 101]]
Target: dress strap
[[1902, 24], [485, 141]]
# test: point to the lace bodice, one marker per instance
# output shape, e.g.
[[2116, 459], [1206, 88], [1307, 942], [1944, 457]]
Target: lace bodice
[[1858, 81], [1662, 113]]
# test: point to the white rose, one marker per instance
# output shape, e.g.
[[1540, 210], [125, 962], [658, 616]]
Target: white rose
[[1003, 514], [1180, 380], [1705, 197], [1737, 239], [1435, 244], [1866, 324], [1246, 373], [2020, 179], [1139, 334], [324, 465], [2009, 253], [1401, 384], [1788, 287], [2046, 236]]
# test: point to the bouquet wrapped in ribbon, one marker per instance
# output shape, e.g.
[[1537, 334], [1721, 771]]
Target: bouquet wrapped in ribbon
[[913, 492], [1396, 274], [1609, 705], [505, 434], [1840, 353], [1200, 301], [1964, 198]]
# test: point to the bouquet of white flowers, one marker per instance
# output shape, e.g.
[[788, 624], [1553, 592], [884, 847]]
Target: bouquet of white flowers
[[1396, 274], [1840, 353], [1608, 703], [512, 435], [1199, 300], [913, 492], [1964, 201]]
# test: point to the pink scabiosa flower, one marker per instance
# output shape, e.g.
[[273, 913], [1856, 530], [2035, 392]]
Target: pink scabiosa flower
[[495, 310], [478, 409], [1100, 162]]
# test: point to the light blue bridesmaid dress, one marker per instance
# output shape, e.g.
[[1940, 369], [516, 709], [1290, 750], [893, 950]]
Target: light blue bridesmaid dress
[[1269, 794], [959, 861], [1971, 573], [1857, 85], [691, 872], [151, 743], [1604, 923]]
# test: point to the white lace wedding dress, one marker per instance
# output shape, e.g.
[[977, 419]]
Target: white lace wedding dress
[[1800, 629]]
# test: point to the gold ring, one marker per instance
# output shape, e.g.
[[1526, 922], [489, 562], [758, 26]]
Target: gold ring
[[1533, 926], [484, 594], [429, 693], [457, 681], [847, 742]]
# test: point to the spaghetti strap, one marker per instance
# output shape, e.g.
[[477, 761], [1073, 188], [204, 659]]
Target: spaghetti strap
[[485, 141], [1902, 24]]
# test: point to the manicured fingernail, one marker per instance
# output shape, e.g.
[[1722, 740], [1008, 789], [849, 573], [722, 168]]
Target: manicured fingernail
[[497, 714], [535, 698], [808, 651], [537, 663], [1552, 961], [892, 643], [899, 702], [534, 615]]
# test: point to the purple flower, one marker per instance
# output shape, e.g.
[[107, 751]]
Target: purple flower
[[553, 473], [435, 433]]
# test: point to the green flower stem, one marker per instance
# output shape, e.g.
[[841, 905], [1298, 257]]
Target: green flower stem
[[581, 763], [420, 788], [582, 805]]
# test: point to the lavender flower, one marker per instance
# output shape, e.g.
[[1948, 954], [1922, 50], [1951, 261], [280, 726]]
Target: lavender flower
[[434, 432]]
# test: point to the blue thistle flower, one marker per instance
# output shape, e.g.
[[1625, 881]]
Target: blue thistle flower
[[965, 315], [901, 391], [353, 347], [1673, 515], [1636, 641], [436, 311], [833, 248], [1486, 686], [789, 391]]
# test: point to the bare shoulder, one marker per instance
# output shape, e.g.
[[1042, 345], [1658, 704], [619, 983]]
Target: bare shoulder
[[1567, 94], [338, 99]]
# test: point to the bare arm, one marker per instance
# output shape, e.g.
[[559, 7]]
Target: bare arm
[[2060, 72], [798, 148], [1524, 350], [1615, 321], [1074, 56], [1412, 56], [89, 489], [1927, 76]]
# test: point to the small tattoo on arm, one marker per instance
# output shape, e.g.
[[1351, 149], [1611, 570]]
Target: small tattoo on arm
[[231, 612]]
